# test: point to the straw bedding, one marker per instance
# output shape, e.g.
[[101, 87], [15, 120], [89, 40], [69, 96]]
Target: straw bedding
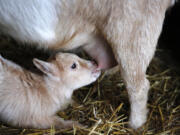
[[103, 107]]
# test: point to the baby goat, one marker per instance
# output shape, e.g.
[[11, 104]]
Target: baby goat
[[32, 100]]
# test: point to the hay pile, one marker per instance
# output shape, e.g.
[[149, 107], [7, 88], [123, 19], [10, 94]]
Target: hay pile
[[103, 106]]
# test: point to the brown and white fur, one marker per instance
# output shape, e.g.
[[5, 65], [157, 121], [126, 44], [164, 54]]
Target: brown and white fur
[[32, 100], [129, 27]]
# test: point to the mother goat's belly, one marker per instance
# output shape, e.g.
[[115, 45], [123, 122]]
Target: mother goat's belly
[[31, 21]]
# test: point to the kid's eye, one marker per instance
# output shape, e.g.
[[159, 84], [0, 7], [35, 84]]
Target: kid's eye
[[73, 66]]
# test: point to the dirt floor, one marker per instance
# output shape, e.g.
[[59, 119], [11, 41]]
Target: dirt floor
[[103, 106]]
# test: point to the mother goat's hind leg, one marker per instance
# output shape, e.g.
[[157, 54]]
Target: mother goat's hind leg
[[134, 52], [133, 71]]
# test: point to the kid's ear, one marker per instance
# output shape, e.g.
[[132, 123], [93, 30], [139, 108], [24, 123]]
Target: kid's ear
[[1, 61], [46, 67], [1, 58]]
